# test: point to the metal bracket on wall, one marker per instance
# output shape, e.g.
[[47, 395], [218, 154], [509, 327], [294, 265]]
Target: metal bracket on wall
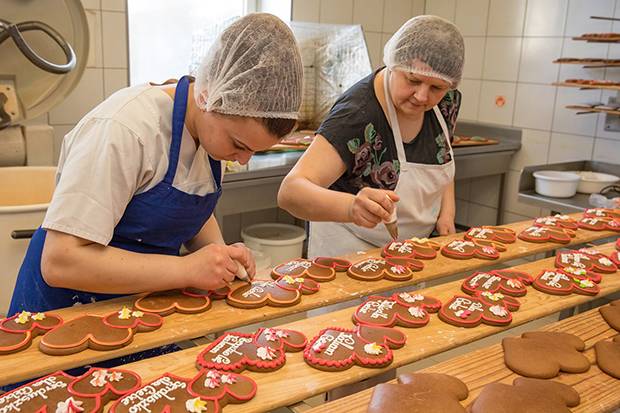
[[612, 122]]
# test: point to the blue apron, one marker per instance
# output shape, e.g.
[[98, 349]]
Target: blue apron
[[157, 221]]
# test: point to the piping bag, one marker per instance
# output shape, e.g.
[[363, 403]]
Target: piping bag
[[242, 274], [392, 224]]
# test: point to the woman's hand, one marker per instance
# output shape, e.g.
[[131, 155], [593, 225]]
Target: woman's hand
[[248, 261], [372, 206], [445, 225], [215, 266]]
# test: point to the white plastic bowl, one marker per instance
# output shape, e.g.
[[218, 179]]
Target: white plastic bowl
[[556, 184], [280, 242], [593, 182]]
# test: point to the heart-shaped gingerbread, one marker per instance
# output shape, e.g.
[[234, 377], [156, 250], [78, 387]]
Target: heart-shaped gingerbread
[[467, 311], [600, 224], [492, 234], [559, 221], [509, 282], [373, 269], [338, 264], [611, 314], [17, 332], [167, 302], [414, 248], [559, 282], [608, 356], [546, 234], [602, 213], [461, 249], [585, 262], [336, 348], [262, 351], [403, 309], [284, 292], [543, 354], [304, 269]]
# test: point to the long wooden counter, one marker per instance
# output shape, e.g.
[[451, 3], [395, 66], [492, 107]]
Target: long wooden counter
[[297, 381], [599, 392]]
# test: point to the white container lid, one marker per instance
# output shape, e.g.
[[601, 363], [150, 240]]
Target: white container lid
[[274, 234], [589, 176], [558, 176]]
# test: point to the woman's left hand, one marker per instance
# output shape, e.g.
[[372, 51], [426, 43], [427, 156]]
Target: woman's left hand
[[248, 261], [445, 225]]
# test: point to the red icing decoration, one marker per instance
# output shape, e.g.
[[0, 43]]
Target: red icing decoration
[[164, 303], [411, 248], [16, 337], [403, 309], [602, 213], [373, 269], [492, 233], [467, 311], [589, 261], [558, 282], [338, 264], [560, 221], [600, 223], [546, 234], [509, 282], [465, 249], [305, 269]]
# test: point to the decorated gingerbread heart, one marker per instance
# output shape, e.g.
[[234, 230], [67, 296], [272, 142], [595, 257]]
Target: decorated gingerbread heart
[[109, 332], [17, 332], [208, 392], [262, 351], [373, 269], [602, 213], [336, 348], [62, 393], [167, 302], [492, 234], [284, 292], [305, 269], [465, 249], [559, 221], [403, 309], [585, 262], [600, 223], [338, 264], [543, 354], [418, 248], [559, 282], [546, 234], [509, 282], [467, 311]]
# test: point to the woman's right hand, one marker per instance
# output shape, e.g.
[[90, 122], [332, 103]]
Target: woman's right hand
[[372, 206], [212, 266]]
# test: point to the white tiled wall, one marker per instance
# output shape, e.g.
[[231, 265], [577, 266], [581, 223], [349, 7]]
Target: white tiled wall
[[509, 49]]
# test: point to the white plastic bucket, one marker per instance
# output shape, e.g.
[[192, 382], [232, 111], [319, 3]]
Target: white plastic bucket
[[25, 194], [280, 242], [556, 184]]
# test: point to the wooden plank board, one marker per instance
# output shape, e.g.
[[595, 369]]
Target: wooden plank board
[[222, 317], [599, 392], [297, 381], [566, 84]]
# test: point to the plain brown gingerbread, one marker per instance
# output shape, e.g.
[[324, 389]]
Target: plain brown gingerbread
[[611, 314], [608, 356]]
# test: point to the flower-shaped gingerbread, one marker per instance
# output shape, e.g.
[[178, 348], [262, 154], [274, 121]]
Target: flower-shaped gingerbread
[[509, 282], [208, 392], [602, 213], [109, 332], [373, 269], [546, 234], [403, 309], [305, 269], [60, 392], [600, 224], [585, 262], [284, 292], [559, 221], [467, 311], [17, 332], [461, 249], [336, 348], [261, 351], [559, 282], [414, 248], [338, 264], [167, 302], [492, 234]]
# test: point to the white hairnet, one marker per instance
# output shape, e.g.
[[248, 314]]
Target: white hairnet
[[428, 46], [253, 69]]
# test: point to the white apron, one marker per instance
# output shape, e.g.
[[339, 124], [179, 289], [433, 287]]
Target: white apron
[[420, 188]]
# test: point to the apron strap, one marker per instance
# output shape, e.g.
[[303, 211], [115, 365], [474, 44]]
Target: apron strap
[[178, 122]]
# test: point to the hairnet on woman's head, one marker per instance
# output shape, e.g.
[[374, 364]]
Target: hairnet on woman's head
[[428, 46], [252, 69]]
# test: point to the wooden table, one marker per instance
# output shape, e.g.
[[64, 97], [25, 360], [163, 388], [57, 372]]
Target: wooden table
[[297, 381], [599, 392], [222, 317]]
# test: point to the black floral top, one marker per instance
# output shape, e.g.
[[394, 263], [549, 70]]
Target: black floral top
[[359, 130]]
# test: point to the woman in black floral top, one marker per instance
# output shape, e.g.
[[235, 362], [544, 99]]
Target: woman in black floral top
[[360, 167]]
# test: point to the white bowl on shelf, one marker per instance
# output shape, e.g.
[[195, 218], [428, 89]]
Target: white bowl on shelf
[[556, 184], [593, 182]]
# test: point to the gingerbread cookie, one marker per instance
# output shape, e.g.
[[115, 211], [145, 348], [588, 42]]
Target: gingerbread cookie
[[167, 302], [284, 292], [543, 354], [526, 395], [559, 282], [336, 348], [559, 221], [208, 392], [608, 356], [585, 262], [338, 264], [419, 392], [261, 351], [546, 234], [403, 309], [373, 269], [62, 393], [414, 248], [615, 257], [305, 269], [611, 314], [600, 224], [509, 282], [466, 311], [108, 332], [602, 213], [492, 234], [17, 332], [466, 249]]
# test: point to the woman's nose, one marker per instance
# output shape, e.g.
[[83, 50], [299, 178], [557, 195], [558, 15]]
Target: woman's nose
[[244, 157], [421, 94]]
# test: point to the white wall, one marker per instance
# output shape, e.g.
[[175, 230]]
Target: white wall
[[509, 45]]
